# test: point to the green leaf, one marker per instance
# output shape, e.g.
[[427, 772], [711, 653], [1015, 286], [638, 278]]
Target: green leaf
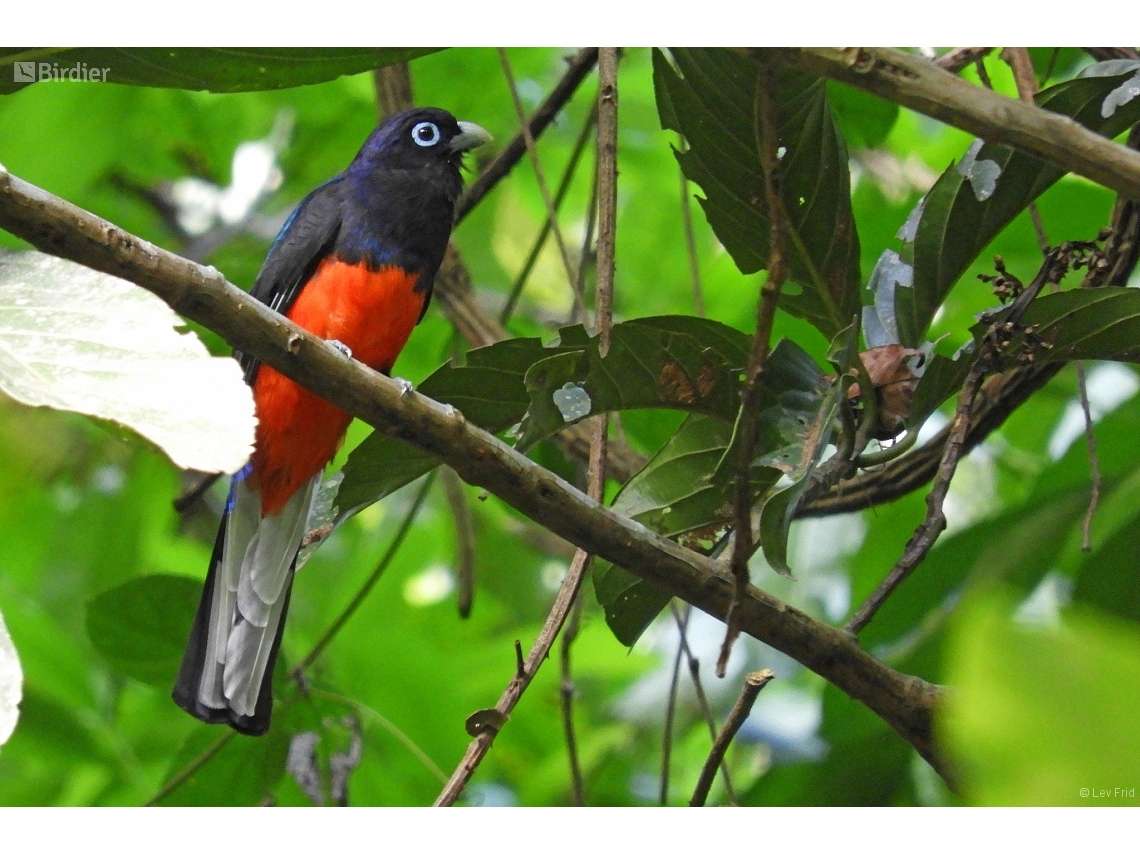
[[709, 97], [141, 626], [1109, 578], [864, 119], [1042, 716], [689, 364], [961, 215], [75, 339], [629, 602], [213, 69], [240, 774], [1089, 323]]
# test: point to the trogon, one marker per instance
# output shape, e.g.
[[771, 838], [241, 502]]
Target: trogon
[[353, 264]]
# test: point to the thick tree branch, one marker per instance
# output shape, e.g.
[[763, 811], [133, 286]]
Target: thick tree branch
[[913, 82], [202, 294]]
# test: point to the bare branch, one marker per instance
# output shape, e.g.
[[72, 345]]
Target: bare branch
[[753, 683], [957, 59], [203, 295], [921, 85], [464, 540]]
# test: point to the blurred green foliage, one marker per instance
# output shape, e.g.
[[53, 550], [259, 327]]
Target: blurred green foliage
[[90, 546]]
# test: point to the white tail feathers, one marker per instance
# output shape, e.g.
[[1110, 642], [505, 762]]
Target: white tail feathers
[[250, 591]]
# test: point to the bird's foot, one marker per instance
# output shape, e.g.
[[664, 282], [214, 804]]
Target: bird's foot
[[405, 386], [344, 349]]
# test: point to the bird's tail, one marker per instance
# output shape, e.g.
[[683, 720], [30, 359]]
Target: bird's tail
[[227, 669]]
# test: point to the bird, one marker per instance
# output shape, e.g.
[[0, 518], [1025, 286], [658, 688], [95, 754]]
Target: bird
[[353, 264]]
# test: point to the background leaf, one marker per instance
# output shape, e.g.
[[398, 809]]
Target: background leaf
[[75, 339], [141, 626], [214, 69]]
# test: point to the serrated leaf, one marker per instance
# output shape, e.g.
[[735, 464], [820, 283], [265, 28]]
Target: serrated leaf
[[959, 219], [233, 69], [141, 626], [710, 99], [75, 339]]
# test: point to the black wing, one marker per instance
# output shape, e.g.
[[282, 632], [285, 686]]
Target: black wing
[[303, 242]]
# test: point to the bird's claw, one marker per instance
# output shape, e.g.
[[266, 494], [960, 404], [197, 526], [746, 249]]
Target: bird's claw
[[340, 346], [406, 386]]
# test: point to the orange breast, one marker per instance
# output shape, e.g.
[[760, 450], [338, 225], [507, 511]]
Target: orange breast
[[373, 313]]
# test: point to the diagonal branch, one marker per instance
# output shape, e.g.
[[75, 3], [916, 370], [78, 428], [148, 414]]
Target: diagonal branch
[[916, 83], [203, 295]]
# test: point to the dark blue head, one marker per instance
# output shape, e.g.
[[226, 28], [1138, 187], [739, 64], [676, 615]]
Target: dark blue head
[[424, 138]]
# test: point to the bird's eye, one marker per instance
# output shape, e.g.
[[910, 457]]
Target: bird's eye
[[425, 134]]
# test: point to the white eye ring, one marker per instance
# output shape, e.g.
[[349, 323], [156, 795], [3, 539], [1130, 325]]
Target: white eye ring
[[425, 134]]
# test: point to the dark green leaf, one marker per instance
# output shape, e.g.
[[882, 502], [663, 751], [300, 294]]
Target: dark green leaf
[[864, 119], [1100, 323], [710, 99], [213, 69], [956, 225], [1109, 578], [629, 602], [688, 364], [141, 626]]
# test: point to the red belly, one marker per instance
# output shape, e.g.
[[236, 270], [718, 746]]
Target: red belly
[[298, 432]]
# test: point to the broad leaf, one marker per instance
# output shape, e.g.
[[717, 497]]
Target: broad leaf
[[75, 339], [1092, 323], [676, 496], [212, 69], [141, 626], [687, 364], [709, 96], [979, 196]]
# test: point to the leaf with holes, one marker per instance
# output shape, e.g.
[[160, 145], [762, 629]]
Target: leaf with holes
[[708, 96], [981, 194]]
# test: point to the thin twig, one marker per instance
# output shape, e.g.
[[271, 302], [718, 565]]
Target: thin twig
[[361, 595], [691, 246], [753, 683], [569, 635], [464, 539], [703, 703], [1025, 78], [671, 704], [187, 771], [540, 176], [578, 67], [540, 241], [986, 360], [957, 59], [389, 726], [1094, 460], [768, 142], [481, 744], [196, 491]]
